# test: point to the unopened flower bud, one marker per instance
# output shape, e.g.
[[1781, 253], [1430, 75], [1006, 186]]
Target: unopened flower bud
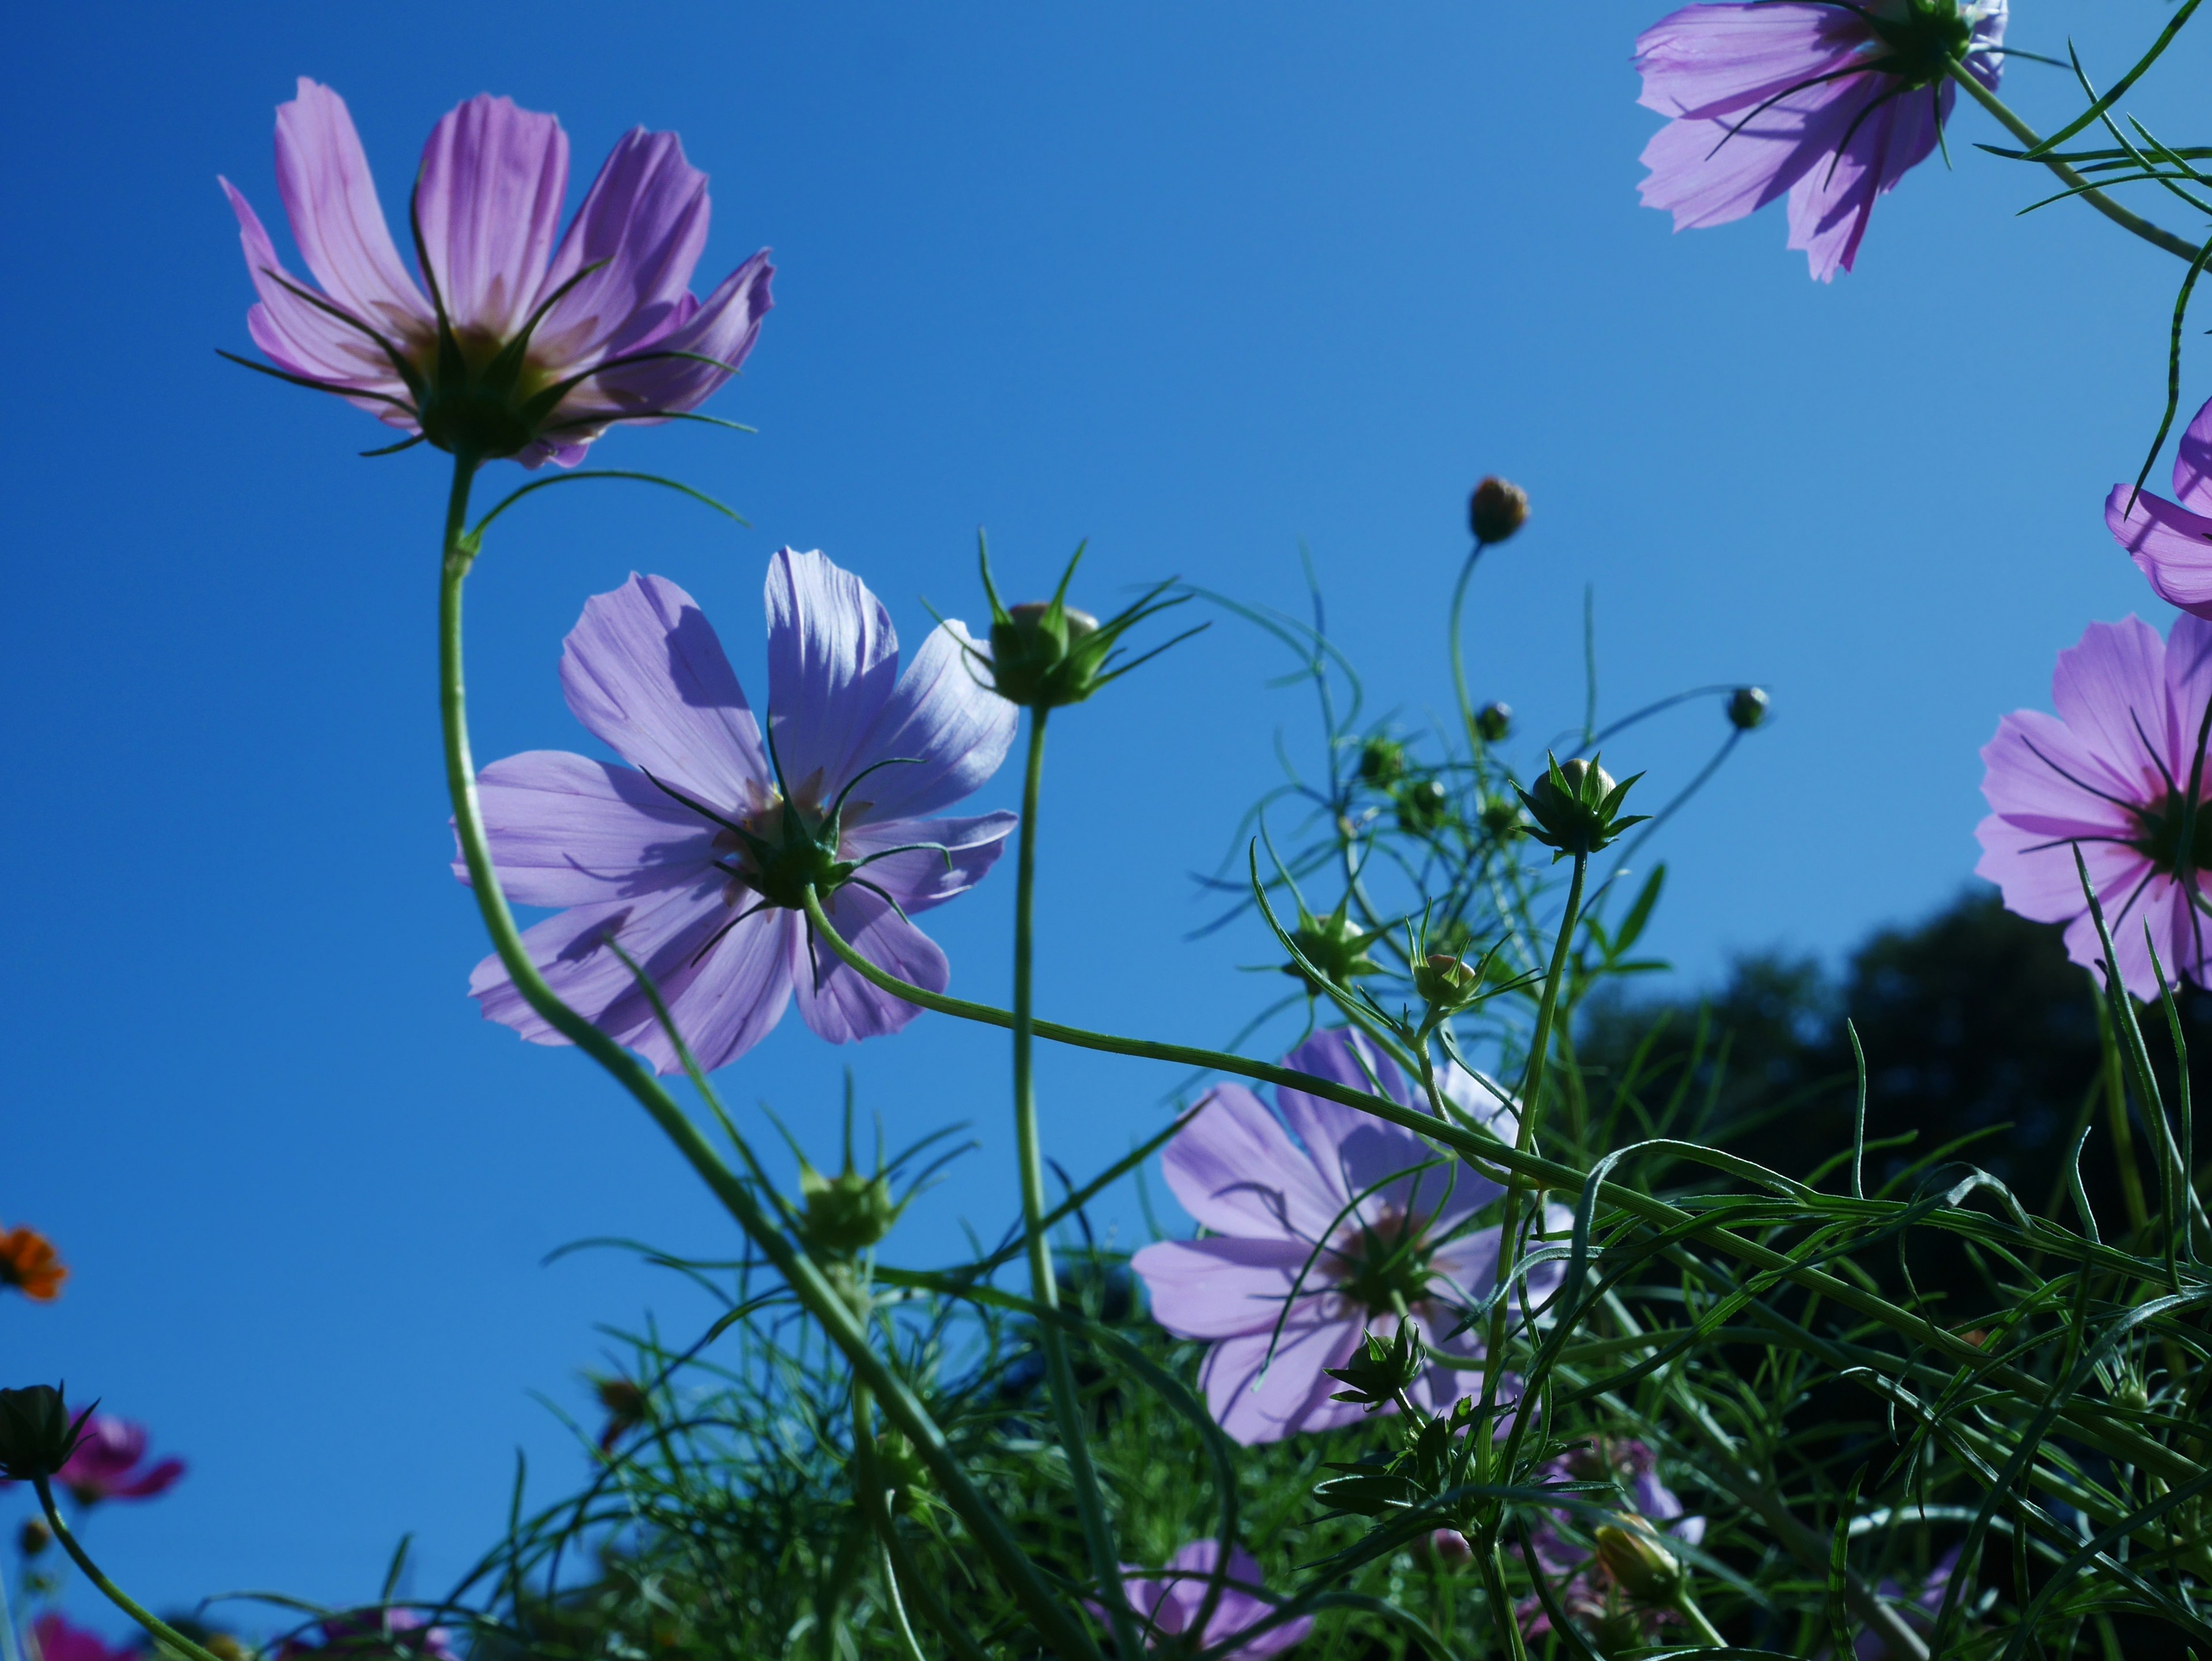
[[1500, 817], [1334, 945], [1577, 807], [1450, 1548], [1493, 721], [1046, 654], [1378, 1371], [1444, 982], [845, 1213], [34, 1537], [1423, 807], [1382, 761], [1748, 707], [36, 1435], [1630, 1549], [624, 1401], [1497, 509], [900, 1465]]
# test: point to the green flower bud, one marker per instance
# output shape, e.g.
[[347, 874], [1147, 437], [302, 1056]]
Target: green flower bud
[[845, 1213], [36, 1435], [1748, 707], [1444, 982], [1045, 653], [1630, 1550], [1493, 721], [33, 1538], [1334, 945], [1424, 807], [900, 1465], [1500, 817], [1576, 806], [1381, 762], [1378, 1371], [1496, 510]]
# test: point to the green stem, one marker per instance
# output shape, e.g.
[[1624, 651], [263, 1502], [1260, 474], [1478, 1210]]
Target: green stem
[[1059, 1628], [115, 1594], [2126, 219], [2115, 1439], [1458, 667], [1044, 1282], [2116, 1119], [1687, 1607], [867, 1474]]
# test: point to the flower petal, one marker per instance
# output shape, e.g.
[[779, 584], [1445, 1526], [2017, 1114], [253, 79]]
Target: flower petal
[[323, 176], [644, 224], [832, 663], [1708, 60], [1323, 1125], [834, 1000], [1222, 1287], [569, 830], [943, 730], [2041, 776], [2169, 544], [1235, 1169], [1891, 132], [2110, 689], [2040, 882], [492, 179], [923, 876], [645, 672], [1255, 1400]]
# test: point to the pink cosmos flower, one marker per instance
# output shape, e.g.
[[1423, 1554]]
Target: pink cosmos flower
[[2120, 773], [696, 857], [1170, 1602], [2170, 543], [520, 347], [109, 1463], [1832, 103], [53, 1638], [1314, 1242]]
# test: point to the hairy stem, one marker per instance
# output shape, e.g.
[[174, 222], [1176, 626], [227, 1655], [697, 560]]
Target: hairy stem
[[1061, 1632], [1044, 1282]]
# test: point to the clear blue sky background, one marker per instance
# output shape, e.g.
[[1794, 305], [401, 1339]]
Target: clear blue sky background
[[1195, 282]]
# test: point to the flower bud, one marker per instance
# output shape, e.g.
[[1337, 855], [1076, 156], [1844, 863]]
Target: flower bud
[[32, 1539], [1500, 817], [845, 1213], [1575, 805], [1381, 762], [624, 1401], [1630, 1549], [36, 1433], [1496, 510], [1449, 1548], [1423, 807], [1334, 945], [1748, 707], [1445, 983], [1045, 653], [900, 1465], [1378, 1371], [1493, 721]]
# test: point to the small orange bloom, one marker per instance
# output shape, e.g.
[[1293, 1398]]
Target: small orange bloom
[[27, 1260]]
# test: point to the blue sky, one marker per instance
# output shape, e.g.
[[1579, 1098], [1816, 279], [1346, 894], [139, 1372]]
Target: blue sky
[[1196, 283]]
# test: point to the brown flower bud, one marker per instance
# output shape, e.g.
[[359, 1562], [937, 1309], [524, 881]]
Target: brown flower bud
[[1497, 509]]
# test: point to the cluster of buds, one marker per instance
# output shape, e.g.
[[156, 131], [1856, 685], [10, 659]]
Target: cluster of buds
[[1577, 807], [1376, 1372], [1045, 653]]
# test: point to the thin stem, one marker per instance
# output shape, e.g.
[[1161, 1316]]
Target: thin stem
[[2181, 248], [1687, 1607], [1459, 667], [2116, 1119], [115, 1594], [1045, 1283], [1059, 1628], [10, 1650], [867, 1475]]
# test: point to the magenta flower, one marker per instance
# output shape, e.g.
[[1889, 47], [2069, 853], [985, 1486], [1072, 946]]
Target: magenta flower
[[1312, 1243], [697, 857], [2118, 772], [109, 1463], [1170, 1602], [1830, 102], [53, 1638], [521, 348], [2170, 543]]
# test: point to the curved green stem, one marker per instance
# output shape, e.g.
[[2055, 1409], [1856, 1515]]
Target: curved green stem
[[1055, 1624], [2106, 1434], [2128, 221], [115, 1594], [1044, 1282], [1458, 666]]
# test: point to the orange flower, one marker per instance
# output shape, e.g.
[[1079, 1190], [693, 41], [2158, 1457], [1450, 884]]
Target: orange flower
[[27, 1260]]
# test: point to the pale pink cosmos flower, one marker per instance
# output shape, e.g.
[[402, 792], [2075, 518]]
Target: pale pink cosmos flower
[[2170, 542], [515, 344], [1829, 103], [694, 859], [1313, 1242], [2117, 773], [1169, 1603]]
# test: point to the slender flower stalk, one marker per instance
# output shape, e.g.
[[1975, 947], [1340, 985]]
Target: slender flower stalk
[[815, 1293], [1044, 1282], [153, 1623]]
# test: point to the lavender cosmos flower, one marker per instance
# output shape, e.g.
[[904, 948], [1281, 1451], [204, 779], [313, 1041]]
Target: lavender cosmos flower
[[53, 1638], [1314, 1241], [1832, 103], [697, 857], [2118, 772], [2170, 542], [1580, 1580], [1170, 1602], [521, 348]]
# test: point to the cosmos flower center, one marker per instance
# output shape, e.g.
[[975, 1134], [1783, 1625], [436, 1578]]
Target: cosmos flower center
[[1382, 1262], [2175, 837], [1919, 45], [781, 852]]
